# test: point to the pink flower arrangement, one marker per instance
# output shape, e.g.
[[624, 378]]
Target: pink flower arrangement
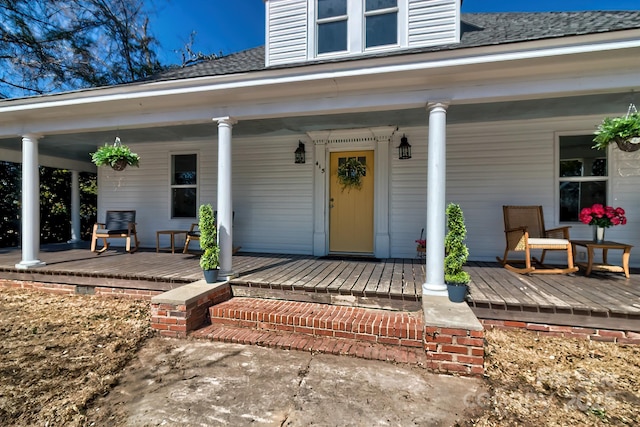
[[603, 216], [421, 242]]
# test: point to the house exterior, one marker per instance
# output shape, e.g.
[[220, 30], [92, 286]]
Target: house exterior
[[498, 109]]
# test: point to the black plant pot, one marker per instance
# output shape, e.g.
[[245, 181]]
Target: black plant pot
[[457, 292], [627, 145], [120, 165], [211, 276]]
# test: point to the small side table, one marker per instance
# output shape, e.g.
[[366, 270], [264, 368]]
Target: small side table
[[604, 266], [172, 235]]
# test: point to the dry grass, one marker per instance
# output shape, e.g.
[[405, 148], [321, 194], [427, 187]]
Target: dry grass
[[549, 381], [58, 353]]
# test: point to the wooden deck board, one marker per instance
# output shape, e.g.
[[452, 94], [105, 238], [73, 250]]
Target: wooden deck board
[[531, 289], [397, 279], [503, 288], [359, 286], [569, 294], [295, 274], [326, 277], [603, 295], [342, 277], [322, 275], [384, 286], [479, 284], [373, 281], [349, 283]]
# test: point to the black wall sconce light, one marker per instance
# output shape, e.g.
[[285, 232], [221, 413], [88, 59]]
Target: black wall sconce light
[[299, 153], [404, 149]]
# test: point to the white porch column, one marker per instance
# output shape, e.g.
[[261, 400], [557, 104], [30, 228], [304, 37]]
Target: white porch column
[[436, 193], [30, 204], [225, 199], [75, 207]]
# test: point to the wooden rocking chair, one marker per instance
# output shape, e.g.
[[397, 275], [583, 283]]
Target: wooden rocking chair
[[524, 231], [118, 224]]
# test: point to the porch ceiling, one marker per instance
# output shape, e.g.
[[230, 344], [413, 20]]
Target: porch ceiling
[[76, 146]]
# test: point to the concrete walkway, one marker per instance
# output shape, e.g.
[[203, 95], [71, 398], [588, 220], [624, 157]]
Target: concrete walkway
[[199, 383]]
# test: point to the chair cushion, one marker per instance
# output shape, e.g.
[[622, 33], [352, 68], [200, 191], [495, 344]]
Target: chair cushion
[[542, 243], [111, 231], [194, 234]]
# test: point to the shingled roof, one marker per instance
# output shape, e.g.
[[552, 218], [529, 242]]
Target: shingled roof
[[478, 29]]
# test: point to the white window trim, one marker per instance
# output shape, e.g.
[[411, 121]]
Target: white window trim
[[356, 29], [172, 186], [557, 178]]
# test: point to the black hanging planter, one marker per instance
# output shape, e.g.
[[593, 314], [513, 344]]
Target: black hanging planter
[[627, 145]]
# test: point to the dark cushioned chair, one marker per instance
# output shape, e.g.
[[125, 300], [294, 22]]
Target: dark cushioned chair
[[118, 224]]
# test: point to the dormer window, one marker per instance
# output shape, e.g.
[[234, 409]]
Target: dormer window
[[332, 22], [354, 26], [311, 30], [381, 23]]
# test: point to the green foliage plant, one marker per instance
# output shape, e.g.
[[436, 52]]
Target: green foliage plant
[[619, 130], [209, 260], [455, 249], [115, 155], [350, 173]]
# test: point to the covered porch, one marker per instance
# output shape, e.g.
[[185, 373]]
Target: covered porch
[[602, 300]]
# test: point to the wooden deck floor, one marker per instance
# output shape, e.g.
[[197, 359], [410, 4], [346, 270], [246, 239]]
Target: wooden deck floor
[[601, 300]]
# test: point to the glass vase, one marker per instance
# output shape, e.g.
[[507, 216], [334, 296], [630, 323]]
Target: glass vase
[[598, 234]]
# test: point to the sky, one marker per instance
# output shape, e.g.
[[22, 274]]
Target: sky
[[230, 26]]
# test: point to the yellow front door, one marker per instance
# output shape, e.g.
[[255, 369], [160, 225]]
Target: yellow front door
[[351, 208]]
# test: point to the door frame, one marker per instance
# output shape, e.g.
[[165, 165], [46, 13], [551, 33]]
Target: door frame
[[379, 140]]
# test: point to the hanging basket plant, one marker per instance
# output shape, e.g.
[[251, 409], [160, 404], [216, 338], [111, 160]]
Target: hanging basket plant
[[350, 173], [624, 131], [117, 156]]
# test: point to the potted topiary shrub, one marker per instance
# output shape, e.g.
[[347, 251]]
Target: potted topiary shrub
[[209, 244], [117, 156], [624, 131], [456, 279]]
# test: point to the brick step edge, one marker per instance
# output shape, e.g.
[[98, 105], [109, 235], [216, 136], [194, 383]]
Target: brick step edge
[[390, 328], [325, 345]]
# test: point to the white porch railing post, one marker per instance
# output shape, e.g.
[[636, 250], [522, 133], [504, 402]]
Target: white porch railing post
[[30, 204], [225, 199], [436, 198], [75, 207]]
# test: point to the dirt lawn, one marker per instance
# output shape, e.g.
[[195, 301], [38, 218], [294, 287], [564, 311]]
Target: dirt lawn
[[60, 354]]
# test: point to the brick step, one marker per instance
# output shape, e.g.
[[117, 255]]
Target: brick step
[[302, 342], [321, 320]]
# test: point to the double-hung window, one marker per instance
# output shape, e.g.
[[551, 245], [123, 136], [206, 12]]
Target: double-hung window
[[350, 26], [583, 176], [184, 185], [381, 23], [332, 26]]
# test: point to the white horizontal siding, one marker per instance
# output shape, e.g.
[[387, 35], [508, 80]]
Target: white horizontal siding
[[147, 188], [433, 22], [286, 31], [504, 163], [408, 195], [488, 165], [486, 170], [273, 196]]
